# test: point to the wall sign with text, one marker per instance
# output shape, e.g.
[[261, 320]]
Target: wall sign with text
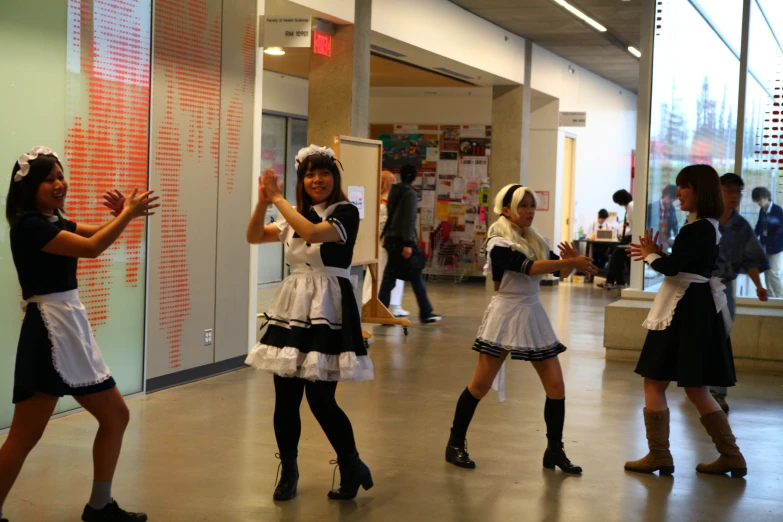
[[287, 31]]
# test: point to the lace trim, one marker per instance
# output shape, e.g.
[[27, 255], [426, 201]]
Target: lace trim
[[665, 322], [313, 366], [56, 360]]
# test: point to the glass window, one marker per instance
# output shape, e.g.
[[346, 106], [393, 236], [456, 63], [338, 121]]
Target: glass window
[[693, 116], [762, 136], [273, 156], [298, 142]]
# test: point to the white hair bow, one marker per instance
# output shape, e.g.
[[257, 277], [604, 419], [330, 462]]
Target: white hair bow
[[25, 159], [306, 152]]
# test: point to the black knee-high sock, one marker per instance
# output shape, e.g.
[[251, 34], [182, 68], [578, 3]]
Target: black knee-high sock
[[554, 415], [466, 406]]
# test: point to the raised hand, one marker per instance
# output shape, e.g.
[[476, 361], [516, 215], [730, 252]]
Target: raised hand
[[138, 205], [272, 185], [263, 199], [567, 250], [114, 201], [647, 245], [584, 265]]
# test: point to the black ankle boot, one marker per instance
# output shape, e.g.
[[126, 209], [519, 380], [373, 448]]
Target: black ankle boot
[[555, 456], [457, 454], [289, 478], [353, 473]]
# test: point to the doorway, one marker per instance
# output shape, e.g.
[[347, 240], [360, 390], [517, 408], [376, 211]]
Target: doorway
[[569, 171]]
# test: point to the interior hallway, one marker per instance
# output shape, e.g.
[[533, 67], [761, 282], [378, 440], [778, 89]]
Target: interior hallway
[[205, 451]]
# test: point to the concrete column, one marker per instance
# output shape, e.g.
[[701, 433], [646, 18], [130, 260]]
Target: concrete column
[[508, 162], [339, 96]]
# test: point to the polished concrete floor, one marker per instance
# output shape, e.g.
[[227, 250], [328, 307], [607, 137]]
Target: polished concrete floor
[[205, 451]]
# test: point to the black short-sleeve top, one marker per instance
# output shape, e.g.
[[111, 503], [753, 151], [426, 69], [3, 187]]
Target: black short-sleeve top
[[344, 217], [41, 273]]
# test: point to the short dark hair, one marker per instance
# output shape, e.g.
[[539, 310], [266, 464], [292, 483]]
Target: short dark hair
[[317, 162], [603, 214], [622, 197], [760, 193], [408, 174], [705, 183], [732, 179], [21, 196], [669, 191]]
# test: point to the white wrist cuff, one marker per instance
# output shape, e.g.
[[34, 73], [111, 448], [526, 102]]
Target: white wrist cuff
[[651, 258]]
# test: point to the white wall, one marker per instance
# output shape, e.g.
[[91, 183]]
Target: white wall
[[545, 168], [603, 147], [285, 94], [443, 28], [398, 106]]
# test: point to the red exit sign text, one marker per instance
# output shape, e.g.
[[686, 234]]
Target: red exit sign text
[[322, 44]]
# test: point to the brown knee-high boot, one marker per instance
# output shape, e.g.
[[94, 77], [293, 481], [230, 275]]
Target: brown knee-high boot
[[730, 460], [659, 458]]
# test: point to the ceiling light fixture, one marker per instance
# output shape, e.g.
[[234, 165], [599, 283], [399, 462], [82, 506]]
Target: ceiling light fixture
[[579, 14], [274, 51], [634, 51]]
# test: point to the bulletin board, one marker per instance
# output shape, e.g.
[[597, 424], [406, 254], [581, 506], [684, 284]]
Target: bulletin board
[[361, 160], [453, 163]]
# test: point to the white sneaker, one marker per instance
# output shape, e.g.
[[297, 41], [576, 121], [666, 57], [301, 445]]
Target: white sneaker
[[397, 311]]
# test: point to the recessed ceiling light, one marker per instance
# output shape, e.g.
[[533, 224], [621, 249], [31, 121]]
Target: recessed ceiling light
[[579, 14], [274, 51], [634, 51]]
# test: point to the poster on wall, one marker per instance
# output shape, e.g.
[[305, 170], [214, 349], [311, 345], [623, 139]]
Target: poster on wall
[[473, 131], [543, 200], [472, 147], [451, 137], [356, 197]]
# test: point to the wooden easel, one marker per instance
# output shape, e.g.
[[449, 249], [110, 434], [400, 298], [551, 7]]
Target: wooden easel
[[360, 156]]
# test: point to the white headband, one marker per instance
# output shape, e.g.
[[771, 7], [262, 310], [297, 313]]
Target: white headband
[[25, 159], [306, 152]]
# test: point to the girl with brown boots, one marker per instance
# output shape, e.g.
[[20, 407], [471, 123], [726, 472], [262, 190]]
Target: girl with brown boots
[[689, 325]]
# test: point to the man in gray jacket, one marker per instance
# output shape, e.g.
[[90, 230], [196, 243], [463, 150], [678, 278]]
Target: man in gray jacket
[[401, 241]]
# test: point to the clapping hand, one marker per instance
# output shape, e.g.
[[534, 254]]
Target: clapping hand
[[567, 250], [138, 205], [273, 187], [648, 245], [263, 197], [114, 201]]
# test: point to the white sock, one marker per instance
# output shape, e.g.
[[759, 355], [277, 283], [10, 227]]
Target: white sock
[[101, 495]]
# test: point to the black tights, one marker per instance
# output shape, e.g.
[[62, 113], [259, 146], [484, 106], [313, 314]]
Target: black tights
[[320, 397]]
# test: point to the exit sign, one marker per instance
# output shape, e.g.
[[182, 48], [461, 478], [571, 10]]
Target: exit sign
[[322, 44]]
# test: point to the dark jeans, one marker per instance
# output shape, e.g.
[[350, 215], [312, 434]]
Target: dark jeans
[[387, 285], [619, 263], [320, 397], [722, 391]]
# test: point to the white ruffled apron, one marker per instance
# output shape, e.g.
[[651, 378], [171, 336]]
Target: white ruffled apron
[[75, 354], [671, 291]]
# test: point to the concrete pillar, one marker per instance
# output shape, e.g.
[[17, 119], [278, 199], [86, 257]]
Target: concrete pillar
[[339, 95], [508, 163]]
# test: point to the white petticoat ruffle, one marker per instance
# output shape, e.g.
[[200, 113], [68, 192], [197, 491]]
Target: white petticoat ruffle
[[313, 366]]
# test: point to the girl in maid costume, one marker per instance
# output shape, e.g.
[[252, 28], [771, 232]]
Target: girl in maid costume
[[57, 354], [689, 325], [314, 337], [515, 322]]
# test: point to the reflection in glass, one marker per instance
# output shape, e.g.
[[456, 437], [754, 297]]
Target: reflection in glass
[[273, 156], [693, 116]]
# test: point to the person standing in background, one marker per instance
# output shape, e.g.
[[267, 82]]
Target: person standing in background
[[662, 216], [401, 241], [387, 180], [769, 229], [619, 260], [738, 251]]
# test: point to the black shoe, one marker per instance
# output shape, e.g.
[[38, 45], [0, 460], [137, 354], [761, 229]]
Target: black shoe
[[555, 456], [433, 318], [111, 512], [458, 455], [289, 478], [353, 473], [3, 520], [723, 404]]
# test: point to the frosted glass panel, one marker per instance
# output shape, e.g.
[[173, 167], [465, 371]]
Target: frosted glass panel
[[88, 98], [273, 156]]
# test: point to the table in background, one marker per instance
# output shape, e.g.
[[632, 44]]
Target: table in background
[[585, 247]]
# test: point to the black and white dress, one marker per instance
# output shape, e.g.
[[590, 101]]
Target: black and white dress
[[57, 353], [515, 320], [689, 322], [314, 327]]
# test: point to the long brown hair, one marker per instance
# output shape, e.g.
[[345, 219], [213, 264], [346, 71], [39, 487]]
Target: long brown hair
[[705, 183], [21, 194], [314, 162]]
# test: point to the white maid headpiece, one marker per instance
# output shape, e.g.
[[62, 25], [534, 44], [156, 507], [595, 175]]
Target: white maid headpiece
[[25, 159], [306, 152]]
